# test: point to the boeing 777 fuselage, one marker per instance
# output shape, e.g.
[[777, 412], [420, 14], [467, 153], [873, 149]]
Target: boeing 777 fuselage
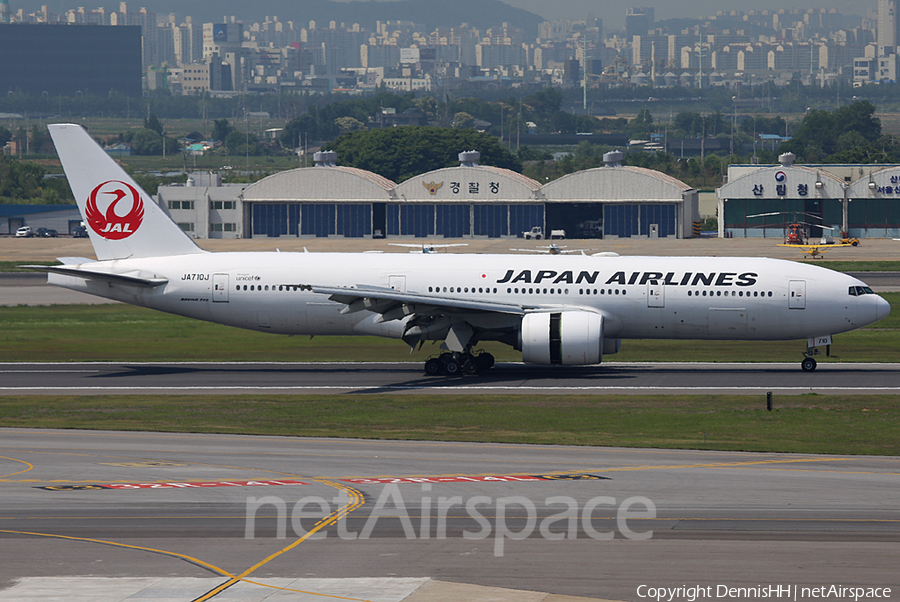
[[556, 309]]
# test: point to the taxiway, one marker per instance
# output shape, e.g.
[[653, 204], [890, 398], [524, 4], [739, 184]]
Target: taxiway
[[158, 513]]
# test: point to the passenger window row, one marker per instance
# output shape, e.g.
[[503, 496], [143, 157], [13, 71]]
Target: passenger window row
[[461, 289], [733, 294], [261, 287]]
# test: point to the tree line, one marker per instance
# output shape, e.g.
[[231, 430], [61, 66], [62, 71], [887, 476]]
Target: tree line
[[849, 134]]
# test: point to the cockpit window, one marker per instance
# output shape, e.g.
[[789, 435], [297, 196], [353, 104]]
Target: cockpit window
[[852, 291], [868, 290], [856, 291]]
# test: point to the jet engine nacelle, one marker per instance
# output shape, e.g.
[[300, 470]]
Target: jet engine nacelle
[[567, 338]]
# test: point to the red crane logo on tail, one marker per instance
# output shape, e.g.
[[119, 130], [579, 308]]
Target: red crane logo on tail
[[108, 222]]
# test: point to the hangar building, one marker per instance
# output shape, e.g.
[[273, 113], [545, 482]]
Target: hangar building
[[62, 218], [468, 201], [861, 200], [873, 204], [326, 200], [619, 201]]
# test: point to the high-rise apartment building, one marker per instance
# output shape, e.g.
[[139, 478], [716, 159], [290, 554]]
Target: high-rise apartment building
[[638, 21], [887, 26]]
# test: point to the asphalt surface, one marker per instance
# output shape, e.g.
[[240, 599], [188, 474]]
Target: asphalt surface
[[72, 501], [109, 516], [379, 377]]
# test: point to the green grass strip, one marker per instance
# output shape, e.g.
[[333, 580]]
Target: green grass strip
[[798, 424], [856, 266], [13, 266]]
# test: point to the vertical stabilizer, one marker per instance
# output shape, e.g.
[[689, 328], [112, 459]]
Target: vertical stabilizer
[[121, 219]]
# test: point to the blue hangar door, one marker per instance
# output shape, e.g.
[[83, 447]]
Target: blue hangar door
[[632, 219]]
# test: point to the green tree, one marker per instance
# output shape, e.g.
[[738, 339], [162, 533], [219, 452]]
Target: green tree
[[153, 124], [563, 122], [349, 124], [36, 138], [300, 130], [221, 129], [463, 120], [641, 125], [5, 136], [242, 143], [401, 153], [852, 130], [146, 142], [20, 181], [763, 125], [545, 102]]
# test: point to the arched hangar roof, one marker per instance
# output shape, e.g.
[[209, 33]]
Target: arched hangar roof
[[321, 183], [798, 181], [616, 184], [478, 183], [880, 184]]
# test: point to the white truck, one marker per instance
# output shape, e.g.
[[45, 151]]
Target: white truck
[[537, 233]]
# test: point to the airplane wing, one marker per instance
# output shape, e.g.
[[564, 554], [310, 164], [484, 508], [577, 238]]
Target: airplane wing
[[455, 319], [385, 301], [134, 278]]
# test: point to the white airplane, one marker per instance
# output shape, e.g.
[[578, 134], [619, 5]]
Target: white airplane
[[558, 310]]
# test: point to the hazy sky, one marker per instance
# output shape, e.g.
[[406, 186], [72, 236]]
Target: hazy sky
[[613, 13]]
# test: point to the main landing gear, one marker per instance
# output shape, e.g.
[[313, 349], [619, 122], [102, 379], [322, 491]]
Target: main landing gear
[[453, 364]]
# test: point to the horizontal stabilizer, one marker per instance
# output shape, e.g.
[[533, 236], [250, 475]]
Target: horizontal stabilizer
[[133, 278]]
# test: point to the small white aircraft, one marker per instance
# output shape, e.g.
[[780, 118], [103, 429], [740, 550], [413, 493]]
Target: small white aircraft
[[556, 309]]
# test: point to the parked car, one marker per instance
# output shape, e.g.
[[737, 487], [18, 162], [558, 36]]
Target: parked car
[[24, 232], [47, 233], [79, 232]]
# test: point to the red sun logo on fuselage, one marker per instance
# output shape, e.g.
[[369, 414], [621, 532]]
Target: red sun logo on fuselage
[[109, 222]]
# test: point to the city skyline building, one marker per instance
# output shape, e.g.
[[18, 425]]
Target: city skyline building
[[728, 48]]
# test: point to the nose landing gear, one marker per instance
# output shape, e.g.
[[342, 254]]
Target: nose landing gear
[[812, 349]]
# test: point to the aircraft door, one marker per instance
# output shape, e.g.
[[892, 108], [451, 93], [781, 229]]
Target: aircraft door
[[398, 283], [656, 294], [220, 288], [797, 294]]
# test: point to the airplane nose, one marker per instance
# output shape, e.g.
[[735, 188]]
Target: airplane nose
[[882, 308]]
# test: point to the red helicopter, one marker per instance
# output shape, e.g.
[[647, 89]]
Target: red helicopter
[[796, 235]]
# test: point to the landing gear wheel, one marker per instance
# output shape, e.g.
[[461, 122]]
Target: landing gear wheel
[[433, 367], [485, 361], [471, 367], [808, 364], [451, 366]]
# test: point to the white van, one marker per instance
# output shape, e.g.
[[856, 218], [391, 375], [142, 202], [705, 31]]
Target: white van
[[24, 232]]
